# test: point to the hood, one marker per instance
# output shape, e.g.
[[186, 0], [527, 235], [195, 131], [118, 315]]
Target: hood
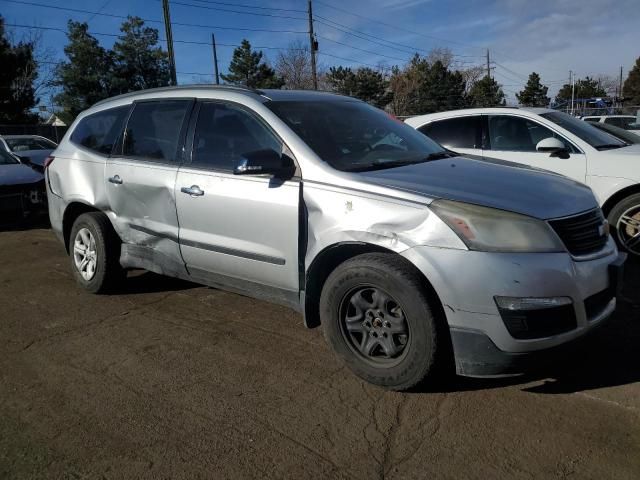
[[503, 185], [18, 174], [37, 156]]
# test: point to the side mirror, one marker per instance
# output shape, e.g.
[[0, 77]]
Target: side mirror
[[261, 162], [553, 146]]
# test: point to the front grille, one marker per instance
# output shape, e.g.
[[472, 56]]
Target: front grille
[[582, 234], [595, 304]]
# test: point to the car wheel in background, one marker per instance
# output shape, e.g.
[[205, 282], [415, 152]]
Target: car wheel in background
[[624, 220], [94, 249], [377, 317]]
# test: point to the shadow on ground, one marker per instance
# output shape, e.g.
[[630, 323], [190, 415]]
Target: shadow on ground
[[30, 223]]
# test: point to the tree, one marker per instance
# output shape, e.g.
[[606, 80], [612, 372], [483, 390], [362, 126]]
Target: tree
[[17, 76], [440, 89], [534, 93], [584, 88], [365, 83], [486, 93], [247, 68], [293, 66], [631, 88], [140, 62], [87, 77]]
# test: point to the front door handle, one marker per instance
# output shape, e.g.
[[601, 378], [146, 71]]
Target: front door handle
[[116, 180], [193, 190]]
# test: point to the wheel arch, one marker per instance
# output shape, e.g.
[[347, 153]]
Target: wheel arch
[[71, 213], [613, 200]]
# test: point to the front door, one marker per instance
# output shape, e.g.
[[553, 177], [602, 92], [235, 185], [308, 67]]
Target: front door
[[236, 230], [514, 138], [141, 175]]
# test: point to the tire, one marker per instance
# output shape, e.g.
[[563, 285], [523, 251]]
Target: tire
[[390, 284], [624, 220], [94, 229]]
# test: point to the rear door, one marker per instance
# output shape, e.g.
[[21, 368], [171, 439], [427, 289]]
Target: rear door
[[236, 227], [141, 173], [460, 134], [514, 138]]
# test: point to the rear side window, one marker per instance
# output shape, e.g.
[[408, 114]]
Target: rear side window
[[99, 132], [153, 130], [225, 133], [455, 133], [621, 122]]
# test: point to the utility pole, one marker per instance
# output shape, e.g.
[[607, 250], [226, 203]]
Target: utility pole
[[169, 35], [572, 79], [488, 65], [215, 58], [620, 89], [314, 46]]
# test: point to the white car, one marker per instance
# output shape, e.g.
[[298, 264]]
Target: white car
[[628, 122], [553, 141]]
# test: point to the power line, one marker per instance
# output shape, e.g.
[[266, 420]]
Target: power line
[[347, 59], [220, 9], [363, 50], [257, 7]]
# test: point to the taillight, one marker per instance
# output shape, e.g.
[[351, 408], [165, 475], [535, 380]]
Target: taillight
[[48, 160]]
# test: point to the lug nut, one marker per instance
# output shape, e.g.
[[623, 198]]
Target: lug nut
[[387, 324]]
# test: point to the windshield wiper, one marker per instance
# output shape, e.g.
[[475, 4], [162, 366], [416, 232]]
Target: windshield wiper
[[382, 164]]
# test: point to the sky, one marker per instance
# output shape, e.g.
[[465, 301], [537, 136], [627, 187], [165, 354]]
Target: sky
[[551, 37]]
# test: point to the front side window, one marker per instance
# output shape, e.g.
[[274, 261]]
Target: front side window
[[153, 130], [225, 133], [99, 131], [455, 133], [518, 134], [29, 143], [353, 136]]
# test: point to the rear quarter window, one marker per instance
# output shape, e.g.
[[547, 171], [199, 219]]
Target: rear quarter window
[[99, 132], [462, 132]]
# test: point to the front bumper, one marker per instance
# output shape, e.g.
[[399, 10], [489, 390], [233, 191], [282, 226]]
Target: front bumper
[[19, 201], [467, 282]]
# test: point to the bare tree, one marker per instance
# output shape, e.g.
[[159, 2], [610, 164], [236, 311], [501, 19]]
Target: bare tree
[[472, 75], [442, 54], [293, 65]]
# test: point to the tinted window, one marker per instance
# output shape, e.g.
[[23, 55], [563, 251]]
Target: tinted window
[[98, 132], [583, 130], [454, 132], [353, 136], [592, 119], [7, 158], [517, 134], [29, 143], [153, 130], [622, 122], [225, 133]]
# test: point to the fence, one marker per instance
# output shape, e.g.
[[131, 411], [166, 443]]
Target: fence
[[51, 132]]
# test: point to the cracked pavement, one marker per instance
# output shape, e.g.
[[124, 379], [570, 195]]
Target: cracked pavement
[[169, 379]]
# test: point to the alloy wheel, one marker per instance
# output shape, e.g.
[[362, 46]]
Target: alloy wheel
[[628, 229], [84, 254]]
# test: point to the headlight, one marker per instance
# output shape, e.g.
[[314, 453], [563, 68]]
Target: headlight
[[491, 230]]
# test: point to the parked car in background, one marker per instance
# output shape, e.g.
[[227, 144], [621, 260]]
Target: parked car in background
[[627, 122], [22, 189], [32, 149], [626, 136], [553, 141], [401, 249]]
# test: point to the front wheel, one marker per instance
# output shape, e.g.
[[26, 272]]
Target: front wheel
[[377, 317], [624, 220]]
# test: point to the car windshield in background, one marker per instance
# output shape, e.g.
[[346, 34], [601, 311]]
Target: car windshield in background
[[7, 158], [585, 131], [24, 144], [354, 136]]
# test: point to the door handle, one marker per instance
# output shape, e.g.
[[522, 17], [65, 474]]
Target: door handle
[[116, 180], [193, 190]]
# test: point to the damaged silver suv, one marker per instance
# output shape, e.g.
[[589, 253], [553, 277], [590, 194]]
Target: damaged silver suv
[[410, 256]]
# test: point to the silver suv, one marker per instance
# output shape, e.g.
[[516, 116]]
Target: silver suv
[[408, 255]]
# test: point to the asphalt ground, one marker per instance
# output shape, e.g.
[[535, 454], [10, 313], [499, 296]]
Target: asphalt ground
[[169, 379]]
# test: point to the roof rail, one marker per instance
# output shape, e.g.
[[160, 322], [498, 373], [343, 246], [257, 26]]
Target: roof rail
[[181, 87]]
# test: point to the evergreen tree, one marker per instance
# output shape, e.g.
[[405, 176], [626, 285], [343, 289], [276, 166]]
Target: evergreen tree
[[247, 68], [534, 93], [486, 92], [439, 89], [88, 76], [631, 88], [584, 88], [140, 62], [365, 83], [18, 72]]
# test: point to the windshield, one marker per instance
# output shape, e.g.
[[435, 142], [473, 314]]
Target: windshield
[[353, 136], [7, 158], [29, 143], [585, 131]]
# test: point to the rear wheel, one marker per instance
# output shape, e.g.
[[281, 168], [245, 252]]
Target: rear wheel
[[94, 249], [377, 317], [624, 219]]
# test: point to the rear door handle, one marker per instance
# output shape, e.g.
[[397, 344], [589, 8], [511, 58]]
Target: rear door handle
[[193, 190], [116, 180]]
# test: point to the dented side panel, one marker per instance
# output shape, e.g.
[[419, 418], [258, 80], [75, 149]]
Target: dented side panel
[[337, 215]]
